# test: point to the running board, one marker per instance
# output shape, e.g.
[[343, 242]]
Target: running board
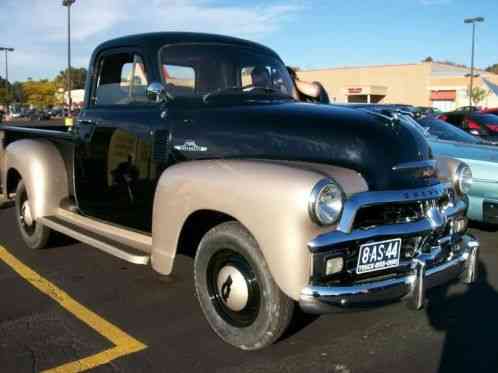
[[105, 244]]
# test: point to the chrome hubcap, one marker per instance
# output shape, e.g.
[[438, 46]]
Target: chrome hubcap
[[233, 288], [26, 216]]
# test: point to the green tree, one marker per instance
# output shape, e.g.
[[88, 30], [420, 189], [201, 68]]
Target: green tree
[[478, 95], [428, 59], [40, 94], [78, 78], [492, 68], [18, 92], [6, 96]]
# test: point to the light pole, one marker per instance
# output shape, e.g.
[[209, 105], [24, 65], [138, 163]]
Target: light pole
[[473, 21], [7, 50], [68, 3]]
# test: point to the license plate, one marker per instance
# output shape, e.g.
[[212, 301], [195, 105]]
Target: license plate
[[377, 256]]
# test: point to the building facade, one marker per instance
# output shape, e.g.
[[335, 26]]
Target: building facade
[[431, 84]]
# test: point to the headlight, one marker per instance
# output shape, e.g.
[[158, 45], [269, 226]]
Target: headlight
[[326, 202], [463, 179]]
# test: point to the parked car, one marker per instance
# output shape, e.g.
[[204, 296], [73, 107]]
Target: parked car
[[447, 140], [468, 108], [38, 115], [208, 151], [480, 124], [493, 111]]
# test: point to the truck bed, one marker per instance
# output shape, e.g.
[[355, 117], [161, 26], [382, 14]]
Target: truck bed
[[13, 131], [53, 128]]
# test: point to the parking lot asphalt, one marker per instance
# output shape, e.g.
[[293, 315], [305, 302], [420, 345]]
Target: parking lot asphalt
[[72, 307]]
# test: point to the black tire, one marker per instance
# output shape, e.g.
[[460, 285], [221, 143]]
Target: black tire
[[35, 235], [267, 311]]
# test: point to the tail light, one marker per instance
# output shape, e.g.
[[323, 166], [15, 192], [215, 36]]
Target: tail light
[[473, 125], [442, 117], [493, 127]]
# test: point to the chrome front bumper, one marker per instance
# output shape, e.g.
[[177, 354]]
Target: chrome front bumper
[[423, 275]]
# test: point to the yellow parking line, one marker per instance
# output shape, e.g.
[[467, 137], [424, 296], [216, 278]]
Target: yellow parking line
[[124, 343]]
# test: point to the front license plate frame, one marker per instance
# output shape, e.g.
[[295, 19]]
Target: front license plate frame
[[378, 256]]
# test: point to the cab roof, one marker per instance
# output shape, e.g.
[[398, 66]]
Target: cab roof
[[156, 40]]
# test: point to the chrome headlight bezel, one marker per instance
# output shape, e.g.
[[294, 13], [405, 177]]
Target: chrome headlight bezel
[[316, 205], [463, 179]]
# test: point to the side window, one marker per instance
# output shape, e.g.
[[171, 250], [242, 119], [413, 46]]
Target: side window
[[121, 80], [180, 80]]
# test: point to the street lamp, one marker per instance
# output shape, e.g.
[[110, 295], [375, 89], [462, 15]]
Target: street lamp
[[7, 50], [473, 21], [68, 3]]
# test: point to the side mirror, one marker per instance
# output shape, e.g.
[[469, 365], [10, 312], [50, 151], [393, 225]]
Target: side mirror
[[156, 92]]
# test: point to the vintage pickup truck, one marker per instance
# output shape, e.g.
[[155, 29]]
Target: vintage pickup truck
[[195, 143]]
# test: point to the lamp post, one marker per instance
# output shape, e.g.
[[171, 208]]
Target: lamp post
[[7, 50], [473, 21], [68, 3]]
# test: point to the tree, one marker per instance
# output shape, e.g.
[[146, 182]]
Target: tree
[[6, 96], [428, 59], [478, 95], [18, 92], [40, 94], [492, 68], [78, 78]]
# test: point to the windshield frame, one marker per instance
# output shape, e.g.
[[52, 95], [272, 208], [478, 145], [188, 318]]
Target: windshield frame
[[243, 97]]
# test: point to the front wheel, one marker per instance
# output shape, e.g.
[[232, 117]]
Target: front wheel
[[34, 234], [236, 290]]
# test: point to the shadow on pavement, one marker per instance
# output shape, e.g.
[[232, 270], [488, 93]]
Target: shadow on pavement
[[486, 227], [470, 321]]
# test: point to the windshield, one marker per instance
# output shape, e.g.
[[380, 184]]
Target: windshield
[[446, 131], [485, 118], [200, 71]]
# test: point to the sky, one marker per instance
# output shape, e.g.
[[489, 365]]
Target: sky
[[310, 34]]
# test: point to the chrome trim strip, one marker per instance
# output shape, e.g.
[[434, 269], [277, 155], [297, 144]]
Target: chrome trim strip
[[418, 164], [485, 181], [357, 201]]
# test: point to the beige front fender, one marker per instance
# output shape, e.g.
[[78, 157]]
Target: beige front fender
[[43, 171], [270, 199]]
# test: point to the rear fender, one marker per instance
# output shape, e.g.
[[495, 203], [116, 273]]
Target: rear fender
[[43, 171]]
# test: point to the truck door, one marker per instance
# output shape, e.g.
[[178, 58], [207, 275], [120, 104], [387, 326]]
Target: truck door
[[115, 172]]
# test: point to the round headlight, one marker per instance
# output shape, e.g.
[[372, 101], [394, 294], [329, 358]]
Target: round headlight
[[463, 180], [326, 202]]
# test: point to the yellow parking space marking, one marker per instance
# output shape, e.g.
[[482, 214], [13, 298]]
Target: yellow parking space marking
[[124, 344]]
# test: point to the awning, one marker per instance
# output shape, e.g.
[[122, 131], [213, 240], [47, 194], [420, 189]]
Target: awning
[[443, 95], [492, 87]]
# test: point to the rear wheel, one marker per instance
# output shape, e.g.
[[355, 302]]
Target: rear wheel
[[236, 290], [34, 234]]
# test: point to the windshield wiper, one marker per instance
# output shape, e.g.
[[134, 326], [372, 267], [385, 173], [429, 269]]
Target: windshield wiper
[[250, 89]]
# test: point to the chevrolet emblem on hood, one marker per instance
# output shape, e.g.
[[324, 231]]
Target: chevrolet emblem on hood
[[191, 146]]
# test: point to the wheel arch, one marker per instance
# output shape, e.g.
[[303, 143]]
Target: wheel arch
[[196, 226], [12, 180]]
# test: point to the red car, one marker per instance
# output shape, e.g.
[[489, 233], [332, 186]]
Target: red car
[[477, 123], [491, 111]]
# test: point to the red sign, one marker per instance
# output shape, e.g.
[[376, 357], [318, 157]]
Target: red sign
[[443, 95], [354, 91]]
